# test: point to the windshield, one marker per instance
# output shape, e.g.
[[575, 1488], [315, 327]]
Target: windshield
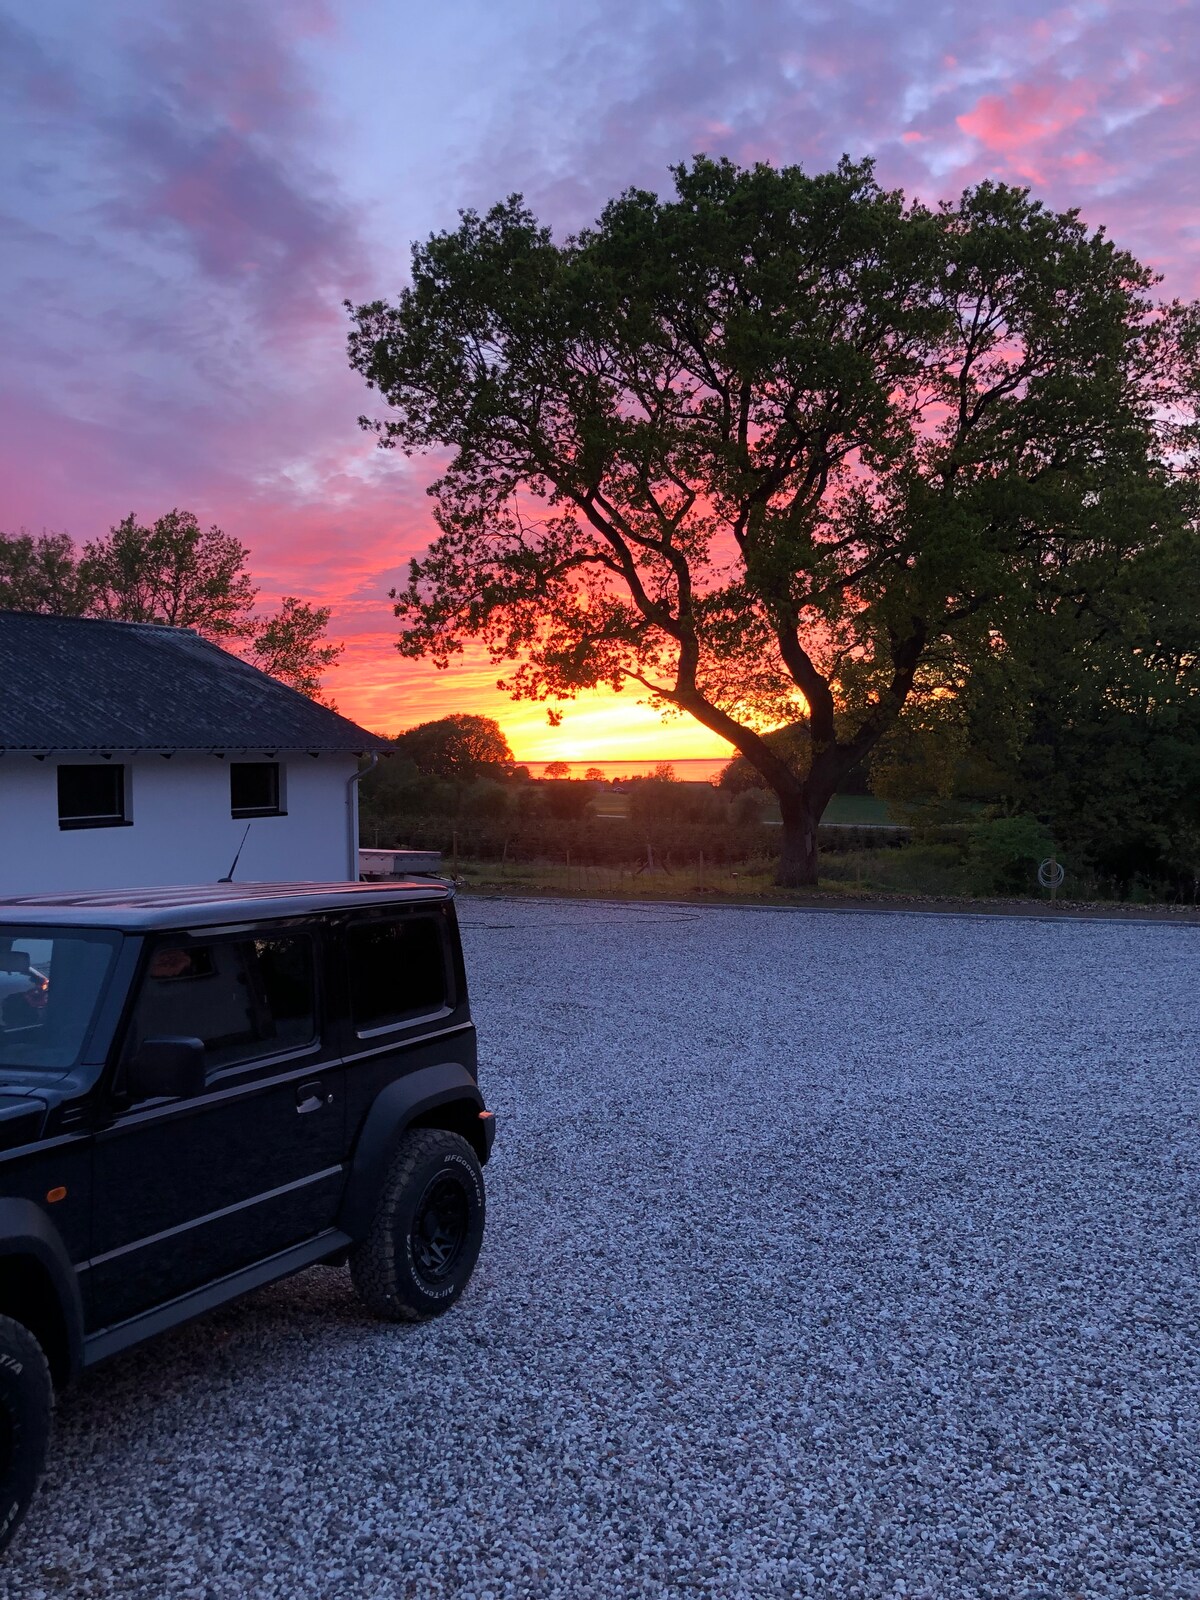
[[51, 980]]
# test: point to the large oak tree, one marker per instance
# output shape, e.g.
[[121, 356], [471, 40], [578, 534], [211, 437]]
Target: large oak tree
[[776, 448]]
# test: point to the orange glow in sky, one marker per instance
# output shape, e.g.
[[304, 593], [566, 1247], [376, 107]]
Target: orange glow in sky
[[386, 693]]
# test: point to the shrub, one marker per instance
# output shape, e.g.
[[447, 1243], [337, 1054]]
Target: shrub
[[1003, 855], [749, 806]]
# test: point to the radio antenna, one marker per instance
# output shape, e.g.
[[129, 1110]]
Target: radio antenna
[[229, 877]]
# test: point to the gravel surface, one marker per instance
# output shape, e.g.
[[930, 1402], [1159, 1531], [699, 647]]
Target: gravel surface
[[828, 1255]]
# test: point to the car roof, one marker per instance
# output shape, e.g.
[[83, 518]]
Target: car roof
[[208, 904]]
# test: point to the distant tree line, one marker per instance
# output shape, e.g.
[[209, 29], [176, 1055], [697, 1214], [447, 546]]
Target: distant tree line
[[176, 573], [966, 791]]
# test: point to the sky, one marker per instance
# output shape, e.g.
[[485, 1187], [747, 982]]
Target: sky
[[189, 191]]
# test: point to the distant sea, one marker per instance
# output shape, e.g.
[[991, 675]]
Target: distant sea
[[691, 769]]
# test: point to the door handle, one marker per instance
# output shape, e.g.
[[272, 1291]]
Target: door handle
[[312, 1096]]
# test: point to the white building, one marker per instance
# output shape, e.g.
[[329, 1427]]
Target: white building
[[133, 755]]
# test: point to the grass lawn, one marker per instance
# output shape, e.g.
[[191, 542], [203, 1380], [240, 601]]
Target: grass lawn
[[856, 873], [853, 810], [859, 810]]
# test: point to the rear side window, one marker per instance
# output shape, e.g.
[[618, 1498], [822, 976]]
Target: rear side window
[[246, 998], [397, 971]]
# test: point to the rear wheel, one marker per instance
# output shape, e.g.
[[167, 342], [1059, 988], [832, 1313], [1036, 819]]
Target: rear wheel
[[26, 1400], [425, 1237]]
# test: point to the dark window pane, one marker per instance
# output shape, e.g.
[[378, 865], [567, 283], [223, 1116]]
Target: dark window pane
[[245, 998], [91, 796], [254, 788], [397, 970]]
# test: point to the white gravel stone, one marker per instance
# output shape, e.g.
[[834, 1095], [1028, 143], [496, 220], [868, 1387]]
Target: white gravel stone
[[828, 1255]]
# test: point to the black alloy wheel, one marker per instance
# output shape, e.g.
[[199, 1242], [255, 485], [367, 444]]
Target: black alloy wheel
[[439, 1229], [425, 1238]]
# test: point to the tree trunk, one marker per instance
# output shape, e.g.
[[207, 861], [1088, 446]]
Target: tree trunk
[[798, 858]]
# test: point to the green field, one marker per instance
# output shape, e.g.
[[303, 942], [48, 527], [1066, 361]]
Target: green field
[[856, 810], [859, 810]]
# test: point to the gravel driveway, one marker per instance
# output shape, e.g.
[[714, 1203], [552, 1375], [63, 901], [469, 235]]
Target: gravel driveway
[[828, 1254]]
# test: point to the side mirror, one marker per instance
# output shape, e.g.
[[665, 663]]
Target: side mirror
[[166, 1069]]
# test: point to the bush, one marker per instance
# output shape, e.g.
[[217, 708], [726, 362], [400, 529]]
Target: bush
[[486, 798], [750, 806], [662, 801], [934, 869], [566, 799], [1003, 855]]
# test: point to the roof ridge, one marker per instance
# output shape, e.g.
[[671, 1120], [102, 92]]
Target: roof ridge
[[110, 622]]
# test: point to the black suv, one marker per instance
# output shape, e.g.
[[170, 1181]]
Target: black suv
[[202, 1090]]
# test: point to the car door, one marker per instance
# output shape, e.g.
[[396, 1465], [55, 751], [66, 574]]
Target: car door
[[186, 1191]]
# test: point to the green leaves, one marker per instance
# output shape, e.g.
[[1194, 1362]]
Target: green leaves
[[173, 572]]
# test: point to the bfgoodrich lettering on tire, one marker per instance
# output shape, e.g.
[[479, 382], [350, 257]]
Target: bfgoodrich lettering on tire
[[26, 1397], [427, 1230]]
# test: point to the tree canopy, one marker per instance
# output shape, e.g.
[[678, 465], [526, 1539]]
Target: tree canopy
[[458, 746], [172, 571], [40, 573], [777, 449], [291, 645]]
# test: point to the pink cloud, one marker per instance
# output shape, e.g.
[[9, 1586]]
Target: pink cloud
[[1018, 123]]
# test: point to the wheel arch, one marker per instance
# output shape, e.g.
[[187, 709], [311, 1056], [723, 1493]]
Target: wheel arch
[[443, 1096], [38, 1286]]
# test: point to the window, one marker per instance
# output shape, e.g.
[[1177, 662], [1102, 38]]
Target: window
[[254, 789], [397, 971], [51, 982], [246, 998], [92, 796]]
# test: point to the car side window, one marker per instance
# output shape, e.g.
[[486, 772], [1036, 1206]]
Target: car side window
[[397, 971], [246, 998]]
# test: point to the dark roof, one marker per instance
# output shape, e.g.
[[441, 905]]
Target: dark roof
[[75, 683], [193, 905]]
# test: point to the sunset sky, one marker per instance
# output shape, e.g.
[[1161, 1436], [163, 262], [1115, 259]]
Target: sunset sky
[[190, 190]]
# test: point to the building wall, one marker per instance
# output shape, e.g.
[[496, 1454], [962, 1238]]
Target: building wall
[[181, 829]]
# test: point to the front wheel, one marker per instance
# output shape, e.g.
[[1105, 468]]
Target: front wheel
[[427, 1230], [26, 1398]]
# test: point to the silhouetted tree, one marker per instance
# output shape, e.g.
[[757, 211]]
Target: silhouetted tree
[[39, 573], [459, 746], [771, 448]]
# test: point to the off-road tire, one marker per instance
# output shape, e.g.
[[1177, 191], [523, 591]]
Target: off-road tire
[[390, 1268], [26, 1401]]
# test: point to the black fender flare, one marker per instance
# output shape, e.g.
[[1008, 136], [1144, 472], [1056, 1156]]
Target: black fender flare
[[392, 1111], [26, 1232]]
